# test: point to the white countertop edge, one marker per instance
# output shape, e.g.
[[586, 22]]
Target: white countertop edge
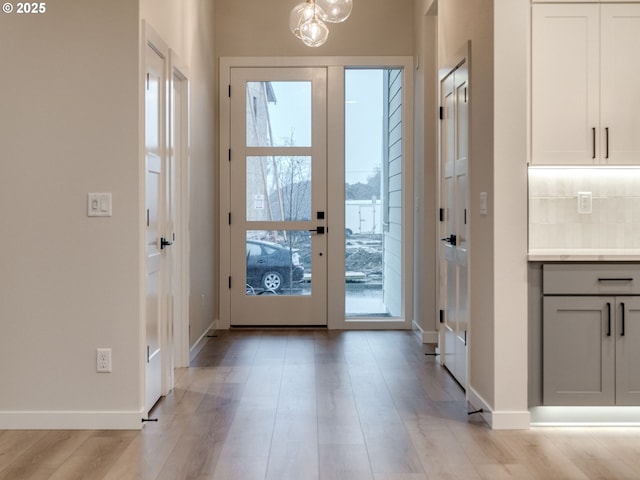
[[586, 255]]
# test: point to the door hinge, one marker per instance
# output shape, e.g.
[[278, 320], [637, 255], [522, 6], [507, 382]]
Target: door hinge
[[441, 316], [147, 81], [465, 337], [147, 217], [229, 154], [229, 91], [465, 216], [229, 282], [441, 114], [465, 94], [442, 214], [148, 355], [229, 218]]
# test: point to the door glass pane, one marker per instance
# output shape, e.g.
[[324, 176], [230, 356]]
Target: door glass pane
[[279, 114], [278, 262], [373, 183], [278, 189]]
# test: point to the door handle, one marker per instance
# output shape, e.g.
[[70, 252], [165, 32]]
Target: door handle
[[164, 243], [451, 239], [319, 230], [608, 319], [622, 329]]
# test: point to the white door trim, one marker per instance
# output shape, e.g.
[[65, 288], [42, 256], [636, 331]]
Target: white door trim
[[335, 221], [180, 114]]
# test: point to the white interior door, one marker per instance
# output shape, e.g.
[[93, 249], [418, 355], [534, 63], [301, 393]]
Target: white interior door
[[156, 209], [278, 217], [454, 248]]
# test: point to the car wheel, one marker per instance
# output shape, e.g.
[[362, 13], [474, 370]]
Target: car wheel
[[272, 281]]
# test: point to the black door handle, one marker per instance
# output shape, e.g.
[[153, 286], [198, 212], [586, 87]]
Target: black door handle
[[622, 329], [608, 319], [164, 243], [318, 230], [451, 239]]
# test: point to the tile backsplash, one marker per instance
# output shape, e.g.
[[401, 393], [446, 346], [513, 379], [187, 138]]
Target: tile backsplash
[[554, 218]]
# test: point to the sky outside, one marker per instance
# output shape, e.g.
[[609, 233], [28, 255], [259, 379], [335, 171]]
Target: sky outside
[[291, 118]]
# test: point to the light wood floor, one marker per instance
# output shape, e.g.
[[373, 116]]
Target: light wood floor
[[324, 405]]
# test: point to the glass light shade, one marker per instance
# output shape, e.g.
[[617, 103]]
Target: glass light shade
[[314, 32], [335, 11], [301, 13]]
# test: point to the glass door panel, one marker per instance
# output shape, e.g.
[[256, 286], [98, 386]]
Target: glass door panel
[[373, 203], [278, 197]]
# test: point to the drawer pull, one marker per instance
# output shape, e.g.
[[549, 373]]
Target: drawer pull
[[615, 279], [608, 319], [622, 326]]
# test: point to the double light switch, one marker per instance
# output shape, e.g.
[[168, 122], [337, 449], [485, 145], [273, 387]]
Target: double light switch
[[99, 205]]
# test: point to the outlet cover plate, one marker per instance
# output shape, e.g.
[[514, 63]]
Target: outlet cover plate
[[103, 360]]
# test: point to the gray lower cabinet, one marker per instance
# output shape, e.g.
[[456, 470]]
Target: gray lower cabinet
[[591, 343]]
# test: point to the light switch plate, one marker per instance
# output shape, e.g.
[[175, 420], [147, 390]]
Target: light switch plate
[[484, 209], [99, 205], [585, 204]]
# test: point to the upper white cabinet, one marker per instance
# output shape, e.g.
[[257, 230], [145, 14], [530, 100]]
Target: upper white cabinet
[[585, 100]]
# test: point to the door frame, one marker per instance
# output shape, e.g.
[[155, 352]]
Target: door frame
[[335, 196], [179, 115]]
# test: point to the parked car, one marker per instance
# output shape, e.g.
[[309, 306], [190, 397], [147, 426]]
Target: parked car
[[271, 267]]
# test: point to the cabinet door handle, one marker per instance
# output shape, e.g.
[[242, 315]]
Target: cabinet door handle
[[622, 323], [615, 279], [606, 142], [608, 319], [593, 142]]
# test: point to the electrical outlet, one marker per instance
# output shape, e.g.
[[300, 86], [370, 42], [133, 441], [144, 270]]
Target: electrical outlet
[[103, 360]]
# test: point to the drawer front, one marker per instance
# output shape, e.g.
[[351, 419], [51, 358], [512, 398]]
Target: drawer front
[[591, 279]]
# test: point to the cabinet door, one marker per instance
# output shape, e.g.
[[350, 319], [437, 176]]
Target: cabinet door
[[565, 84], [620, 97], [578, 350], [628, 351]]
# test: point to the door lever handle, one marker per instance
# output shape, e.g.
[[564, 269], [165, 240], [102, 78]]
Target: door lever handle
[[451, 239], [318, 230], [164, 243]]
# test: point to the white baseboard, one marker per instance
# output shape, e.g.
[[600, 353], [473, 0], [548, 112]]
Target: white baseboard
[[99, 420], [195, 350], [424, 336], [497, 419]]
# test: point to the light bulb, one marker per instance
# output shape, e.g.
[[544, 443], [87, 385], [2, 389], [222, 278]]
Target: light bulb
[[301, 13], [335, 11], [314, 32]]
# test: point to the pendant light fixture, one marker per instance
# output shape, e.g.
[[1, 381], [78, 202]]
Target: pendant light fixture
[[335, 11], [307, 19]]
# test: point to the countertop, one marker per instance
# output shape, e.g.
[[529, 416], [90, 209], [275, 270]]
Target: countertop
[[584, 255]]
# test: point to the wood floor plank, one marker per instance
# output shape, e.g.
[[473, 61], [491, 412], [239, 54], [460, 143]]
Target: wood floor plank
[[95, 457]]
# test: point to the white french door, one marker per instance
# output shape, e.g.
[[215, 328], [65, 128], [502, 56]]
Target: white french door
[[454, 227], [278, 196]]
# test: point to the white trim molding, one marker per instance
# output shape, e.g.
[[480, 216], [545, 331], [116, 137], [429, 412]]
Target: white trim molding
[[423, 335], [499, 419], [199, 345], [70, 420]]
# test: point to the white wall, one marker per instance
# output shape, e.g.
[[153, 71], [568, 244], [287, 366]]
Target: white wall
[[69, 125], [425, 168], [261, 28], [69, 283]]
